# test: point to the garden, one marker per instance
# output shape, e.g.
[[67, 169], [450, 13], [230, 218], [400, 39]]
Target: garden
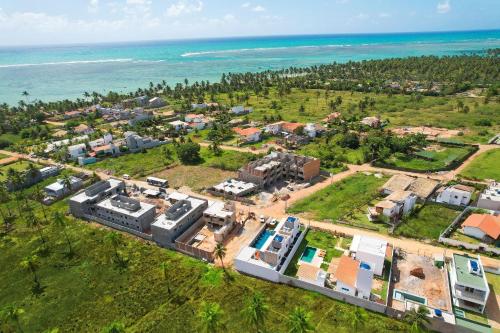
[[485, 166]]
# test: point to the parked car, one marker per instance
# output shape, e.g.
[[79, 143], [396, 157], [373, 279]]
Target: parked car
[[126, 177], [262, 219]]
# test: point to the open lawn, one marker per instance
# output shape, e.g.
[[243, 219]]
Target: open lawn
[[429, 160], [337, 200], [319, 148], [197, 177], [20, 165], [485, 166], [88, 291], [428, 222], [157, 159], [459, 236]]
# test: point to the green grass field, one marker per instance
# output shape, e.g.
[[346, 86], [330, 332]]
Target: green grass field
[[485, 166], [337, 200], [89, 291], [20, 165], [427, 223], [440, 158], [155, 160], [195, 176]]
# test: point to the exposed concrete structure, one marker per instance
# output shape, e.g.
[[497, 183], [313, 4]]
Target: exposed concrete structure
[[490, 198], [177, 219], [59, 188], [458, 195], [234, 187], [82, 204], [136, 142], [127, 212], [277, 166]]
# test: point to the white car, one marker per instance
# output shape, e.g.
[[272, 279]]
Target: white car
[[126, 177], [262, 219]]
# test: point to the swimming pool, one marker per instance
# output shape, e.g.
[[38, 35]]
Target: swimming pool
[[308, 254], [261, 240]]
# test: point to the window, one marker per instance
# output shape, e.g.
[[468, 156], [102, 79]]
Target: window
[[469, 289], [345, 289]]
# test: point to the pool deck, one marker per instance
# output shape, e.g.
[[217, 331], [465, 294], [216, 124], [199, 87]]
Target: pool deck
[[316, 260]]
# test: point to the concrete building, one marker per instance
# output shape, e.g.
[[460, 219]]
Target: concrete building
[[234, 187], [469, 287], [138, 115], [77, 150], [136, 142], [371, 251], [277, 166], [49, 171], [83, 204], [393, 207], [373, 122], [311, 274], [485, 227], [490, 198], [59, 188], [458, 195], [220, 218], [126, 212], [353, 278], [83, 129], [184, 212], [270, 251], [178, 125], [422, 187], [156, 102], [240, 109]]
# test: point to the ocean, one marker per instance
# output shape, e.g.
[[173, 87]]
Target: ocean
[[58, 72]]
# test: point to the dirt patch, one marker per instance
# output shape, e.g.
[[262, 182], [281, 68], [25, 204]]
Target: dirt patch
[[195, 177]]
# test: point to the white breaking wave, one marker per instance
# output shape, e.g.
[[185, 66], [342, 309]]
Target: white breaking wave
[[262, 49], [68, 62]]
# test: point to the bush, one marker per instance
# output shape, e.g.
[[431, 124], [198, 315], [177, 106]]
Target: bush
[[483, 122], [189, 152], [4, 143]]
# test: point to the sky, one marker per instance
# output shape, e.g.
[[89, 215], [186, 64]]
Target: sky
[[36, 22]]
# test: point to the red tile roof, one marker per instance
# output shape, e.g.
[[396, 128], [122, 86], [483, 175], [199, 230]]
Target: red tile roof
[[246, 131], [347, 270], [488, 224], [291, 127]]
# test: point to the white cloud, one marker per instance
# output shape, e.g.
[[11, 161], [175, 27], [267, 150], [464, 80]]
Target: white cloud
[[258, 8], [93, 6], [136, 2], [246, 5], [384, 15], [443, 7], [184, 7], [362, 16]]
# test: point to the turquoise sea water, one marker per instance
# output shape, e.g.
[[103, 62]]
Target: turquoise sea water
[[58, 72]]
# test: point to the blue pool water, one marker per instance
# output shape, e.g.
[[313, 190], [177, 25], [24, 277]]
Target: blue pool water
[[365, 266], [259, 242], [308, 254]]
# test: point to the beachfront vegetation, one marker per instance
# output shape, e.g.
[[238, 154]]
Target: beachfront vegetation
[[485, 166], [93, 290], [427, 222]]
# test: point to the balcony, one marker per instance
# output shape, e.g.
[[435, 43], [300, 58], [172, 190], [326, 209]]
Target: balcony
[[476, 297]]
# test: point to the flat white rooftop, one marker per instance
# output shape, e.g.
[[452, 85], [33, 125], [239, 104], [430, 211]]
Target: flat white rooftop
[[145, 207], [164, 223], [367, 244], [217, 209]]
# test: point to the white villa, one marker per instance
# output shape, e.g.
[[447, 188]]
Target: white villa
[[371, 251], [354, 278], [458, 195]]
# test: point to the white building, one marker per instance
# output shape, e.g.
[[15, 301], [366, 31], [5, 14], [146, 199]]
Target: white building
[[310, 130], [126, 212], [156, 102], [136, 142], [77, 150], [396, 205], [220, 217], [251, 134], [82, 204], [490, 198], [235, 187], [311, 274], [184, 212], [275, 249], [485, 227], [458, 195], [240, 109], [178, 125], [354, 278], [59, 188], [371, 251], [469, 287]]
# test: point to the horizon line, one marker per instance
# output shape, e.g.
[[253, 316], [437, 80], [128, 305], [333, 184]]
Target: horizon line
[[215, 38]]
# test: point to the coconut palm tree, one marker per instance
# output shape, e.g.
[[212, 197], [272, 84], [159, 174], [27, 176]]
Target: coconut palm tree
[[67, 182], [60, 221], [12, 313], [115, 239], [211, 317], [417, 319], [31, 264], [164, 266], [256, 310], [114, 327], [33, 222], [220, 252], [299, 321], [39, 195]]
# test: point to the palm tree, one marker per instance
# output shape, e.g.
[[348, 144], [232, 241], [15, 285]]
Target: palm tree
[[220, 252], [210, 316], [358, 318], [31, 264], [114, 327], [164, 266], [39, 195], [256, 310], [67, 182], [33, 222], [25, 94], [417, 319], [60, 221], [115, 239], [299, 321], [12, 313]]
